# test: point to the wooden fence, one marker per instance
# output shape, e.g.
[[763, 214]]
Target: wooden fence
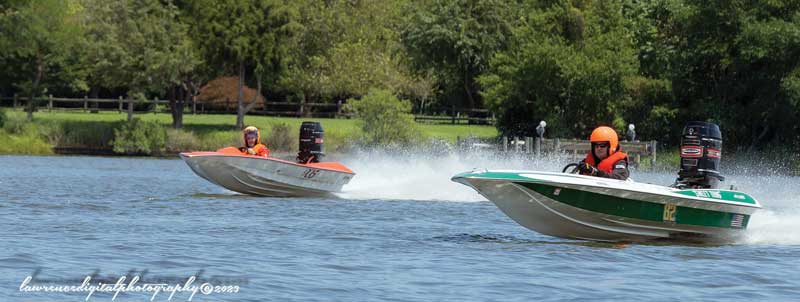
[[468, 116], [575, 148], [289, 109], [86, 104]]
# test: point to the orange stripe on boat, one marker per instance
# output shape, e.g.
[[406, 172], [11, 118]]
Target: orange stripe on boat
[[233, 151]]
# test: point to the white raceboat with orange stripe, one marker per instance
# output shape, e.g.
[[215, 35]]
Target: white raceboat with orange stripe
[[267, 176], [241, 172]]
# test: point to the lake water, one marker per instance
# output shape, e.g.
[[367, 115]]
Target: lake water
[[401, 231]]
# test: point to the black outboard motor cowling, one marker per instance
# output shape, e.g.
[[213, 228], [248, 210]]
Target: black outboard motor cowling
[[311, 143], [701, 151]]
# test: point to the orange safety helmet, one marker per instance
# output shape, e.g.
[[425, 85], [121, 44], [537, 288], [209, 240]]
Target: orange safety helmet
[[251, 130], [606, 134]]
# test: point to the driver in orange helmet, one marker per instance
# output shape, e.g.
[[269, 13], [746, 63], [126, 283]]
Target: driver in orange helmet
[[605, 159], [252, 142]]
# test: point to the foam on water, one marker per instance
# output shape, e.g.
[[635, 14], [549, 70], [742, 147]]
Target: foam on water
[[779, 220], [423, 176], [774, 227]]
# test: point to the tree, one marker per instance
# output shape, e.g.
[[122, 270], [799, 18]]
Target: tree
[[736, 67], [41, 36], [246, 36], [139, 46], [456, 39], [346, 48], [568, 66]]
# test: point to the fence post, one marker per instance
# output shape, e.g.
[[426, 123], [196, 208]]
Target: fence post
[[85, 103], [653, 145], [194, 105], [516, 144], [302, 108], [339, 110], [528, 143], [50, 103], [130, 108], [538, 146], [16, 101], [155, 105], [505, 143], [120, 105], [557, 145]]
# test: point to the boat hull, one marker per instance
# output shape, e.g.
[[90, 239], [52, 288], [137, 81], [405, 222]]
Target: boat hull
[[264, 176], [582, 207]]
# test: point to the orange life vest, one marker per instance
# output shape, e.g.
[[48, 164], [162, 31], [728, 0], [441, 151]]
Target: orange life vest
[[261, 150], [607, 164]]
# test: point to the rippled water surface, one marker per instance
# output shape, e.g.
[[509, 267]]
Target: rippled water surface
[[401, 231]]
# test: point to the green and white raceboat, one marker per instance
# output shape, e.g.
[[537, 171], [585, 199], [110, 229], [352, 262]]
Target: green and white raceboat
[[592, 208]]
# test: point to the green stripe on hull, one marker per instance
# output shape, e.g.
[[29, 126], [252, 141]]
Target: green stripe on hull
[[638, 209]]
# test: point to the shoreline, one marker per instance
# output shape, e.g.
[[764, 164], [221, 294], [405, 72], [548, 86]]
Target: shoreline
[[94, 134]]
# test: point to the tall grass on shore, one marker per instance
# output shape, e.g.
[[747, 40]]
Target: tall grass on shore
[[200, 132]]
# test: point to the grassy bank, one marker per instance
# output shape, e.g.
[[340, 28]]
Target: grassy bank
[[52, 130], [666, 160]]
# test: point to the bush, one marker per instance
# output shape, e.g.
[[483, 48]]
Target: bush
[[53, 133], [179, 141], [140, 137], [88, 134], [24, 144], [16, 124], [220, 139], [385, 119], [280, 138]]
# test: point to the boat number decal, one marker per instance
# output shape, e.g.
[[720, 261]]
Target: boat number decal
[[310, 173], [669, 212]]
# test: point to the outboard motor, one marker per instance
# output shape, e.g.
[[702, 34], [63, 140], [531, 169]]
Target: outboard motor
[[311, 139], [701, 150]]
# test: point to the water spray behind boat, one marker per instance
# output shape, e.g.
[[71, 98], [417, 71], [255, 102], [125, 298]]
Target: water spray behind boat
[[312, 137], [701, 151]]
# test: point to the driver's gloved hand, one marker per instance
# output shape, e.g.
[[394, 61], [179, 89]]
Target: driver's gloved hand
[[586, 169]]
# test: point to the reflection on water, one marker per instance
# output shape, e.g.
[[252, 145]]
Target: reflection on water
[[400, 231]]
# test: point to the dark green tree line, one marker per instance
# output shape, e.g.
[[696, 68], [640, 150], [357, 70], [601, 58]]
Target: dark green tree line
[[574, 63]]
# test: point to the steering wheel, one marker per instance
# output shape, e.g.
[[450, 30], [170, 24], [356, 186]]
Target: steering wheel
[[574, 170]]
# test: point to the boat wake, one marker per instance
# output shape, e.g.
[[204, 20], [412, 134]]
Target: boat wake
[[777, 222], [425, 175], [774, 227]]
